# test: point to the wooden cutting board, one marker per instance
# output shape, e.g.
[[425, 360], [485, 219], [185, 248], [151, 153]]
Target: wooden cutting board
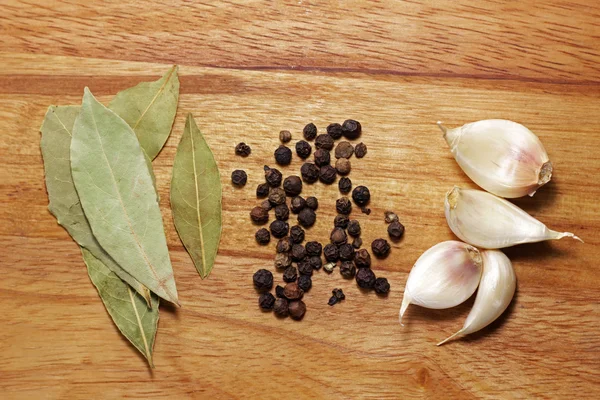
[[248, 70]]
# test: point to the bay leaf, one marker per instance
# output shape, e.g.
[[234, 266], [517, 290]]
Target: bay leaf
[[196, 198], [64, 201], [127, 309], [150, 108], [118, 197]]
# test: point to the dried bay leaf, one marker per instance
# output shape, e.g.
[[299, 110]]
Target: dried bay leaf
[[118, 197], [127, 309], [149, 108], [196, 198]]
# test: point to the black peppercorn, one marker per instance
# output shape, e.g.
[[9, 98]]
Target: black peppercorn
[[297, 309], [310, 131], [297, 204], [280, 308], [277, 196], [344, 150], [360, 150], [312, 203], [331, 252], [285, 136], [259, 215], [324, 141], [322, 157], [284, 245], [342, 166], [346, 252], [282, 212], [307, 217], [283, 155], [362, 258], [298, 252], [262, 190], [266, 205], [266, 301], [242, 149], [263, 280], [304, 267], [292, 185], [315, 262], [313, 248], [239, 177], [361, 195], [365, 278], [305, 282], [381, 286], [290, 274], [380, 248], [279, 228], [395, 230], [303, 149], [334, 130], [345, 185], [343, 205], [262, 236], [351, 129], [337, 296], [292, 291], [282, 261], [273, 176], [279, 291], [338, 236], [309, 172], [347, 269], [354, 228], [296, 234], [357, 242], [341, 221], [327, 174]]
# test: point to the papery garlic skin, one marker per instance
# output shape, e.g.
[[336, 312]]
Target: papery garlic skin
[[490, 222], [503, 157], [496, 290], [444, 276]]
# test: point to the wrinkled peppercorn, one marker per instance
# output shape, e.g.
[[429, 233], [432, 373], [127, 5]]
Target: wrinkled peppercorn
[[277, 196], [351, 129], [338, 295], [334, 130], [303, 149], [365, 278], [309, 172], [266, 205], [283, 155], [266, 301], [381, 286], [297, 204], [324, 141], [395, 230], [357, 242], [314, 248], [347, 269], [322, 157], [362, 258], [344, 150], [262, 190], [329, 267], [259, 215], [284, 245], [380, 248], [280, 308], [297, 309], [312, 203], [345, 185], [298, 252], [343, 205], [290, 274], [273, 176], [390, 217], [285, 136], [279, 228], [342, 166], [296, 234], [354, 228], [346, 252], [315, 262], [282, 261], [360, 150], [239, 177], [331, 252], [262, 236], [310, 131], [304, 267], [279, 291], [340, 221], [305, 283], [292, 291], [282, 212], [338, 236], [242, 149], [327, 174], [292, 185], [361, 195], [263, 280], [307, 217]]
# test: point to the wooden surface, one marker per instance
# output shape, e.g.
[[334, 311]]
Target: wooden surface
[[248, 70]]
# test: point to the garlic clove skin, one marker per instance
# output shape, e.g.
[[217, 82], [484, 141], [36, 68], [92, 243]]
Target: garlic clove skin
[[443, 277], [496, 290], [503, 157], [490, 222]]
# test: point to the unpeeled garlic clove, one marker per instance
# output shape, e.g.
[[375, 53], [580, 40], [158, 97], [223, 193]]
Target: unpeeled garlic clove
[[503, 157], [444, 276], [490, 222], [496, 290]]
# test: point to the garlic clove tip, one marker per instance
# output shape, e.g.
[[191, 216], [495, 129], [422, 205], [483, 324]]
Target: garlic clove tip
[[442, 127], [450, 337], [405, 303]]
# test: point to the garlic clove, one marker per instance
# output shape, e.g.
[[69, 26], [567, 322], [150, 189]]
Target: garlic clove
[[490, 222], [496, 290], [503, 157], [443, 277]]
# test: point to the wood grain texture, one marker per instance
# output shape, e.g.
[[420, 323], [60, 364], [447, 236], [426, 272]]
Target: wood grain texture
[[247, 71]]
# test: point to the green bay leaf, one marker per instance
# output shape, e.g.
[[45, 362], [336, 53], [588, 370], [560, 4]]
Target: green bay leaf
[[150, 108], [118, 197], [127, 309], [196, 198]]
